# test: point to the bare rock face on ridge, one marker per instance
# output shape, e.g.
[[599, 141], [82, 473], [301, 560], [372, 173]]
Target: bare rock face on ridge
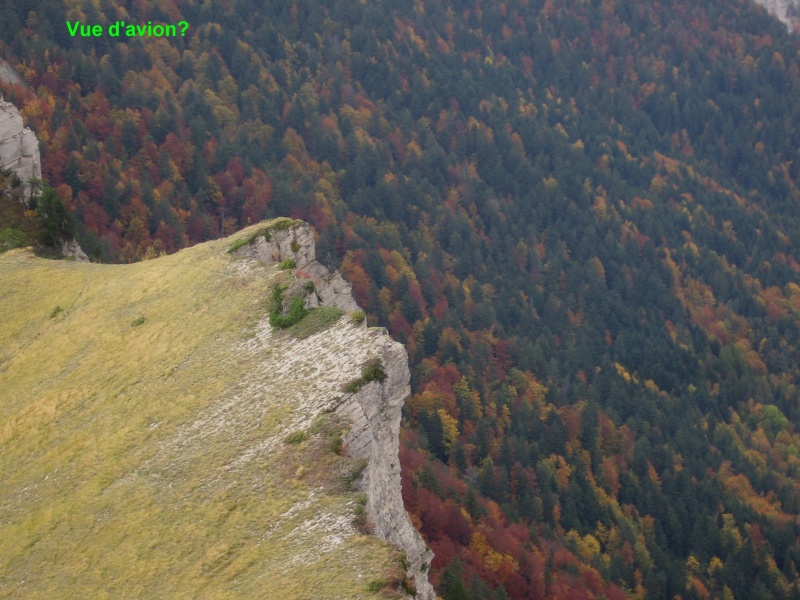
[[374, 410], [9, 75], [19, 152], [19, 148], [787, 11], [295, 241]]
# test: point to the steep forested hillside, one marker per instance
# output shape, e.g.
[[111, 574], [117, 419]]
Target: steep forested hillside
[[580, 217]]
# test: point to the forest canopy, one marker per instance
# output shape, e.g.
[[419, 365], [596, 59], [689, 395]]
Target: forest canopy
[[579, 217]]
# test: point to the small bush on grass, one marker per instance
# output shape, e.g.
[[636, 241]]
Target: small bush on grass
[[337, 444], [371, 371], [352, 387], [297, 309], [138, 321], [296, 437], [376, 585], [55, 312], [11, 238]]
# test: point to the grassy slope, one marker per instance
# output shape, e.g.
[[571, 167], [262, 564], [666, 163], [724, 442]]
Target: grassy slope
[[147, 460]]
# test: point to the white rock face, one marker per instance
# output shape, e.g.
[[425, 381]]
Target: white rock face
[[297, 243], [19, 152], [787, 11], [19, 148], [72, 250], [374, 410], [8, 74]]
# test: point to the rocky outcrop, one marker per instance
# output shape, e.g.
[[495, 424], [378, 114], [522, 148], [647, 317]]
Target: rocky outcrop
[[72, 251], [19, 148], [283, 240], [9, 75], [787, 11], [19, 152], [374, 410], [294, 240]]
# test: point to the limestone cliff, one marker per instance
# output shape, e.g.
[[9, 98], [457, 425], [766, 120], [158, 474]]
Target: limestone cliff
[[19, 152], [375, 413], [296, 243], [19, 148], [374, 410], [9, 75]]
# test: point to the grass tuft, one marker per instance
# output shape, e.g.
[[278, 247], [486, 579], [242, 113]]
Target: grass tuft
[[287, 265], [283, 223], [371, 371], [263, 232], [138, 321], [296, 437], [376, 585], [55, 312]]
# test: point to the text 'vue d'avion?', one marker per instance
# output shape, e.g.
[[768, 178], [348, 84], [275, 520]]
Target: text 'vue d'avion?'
[[120, 29]]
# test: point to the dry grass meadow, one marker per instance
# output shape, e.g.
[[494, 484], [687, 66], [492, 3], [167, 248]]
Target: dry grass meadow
[[144, 416]]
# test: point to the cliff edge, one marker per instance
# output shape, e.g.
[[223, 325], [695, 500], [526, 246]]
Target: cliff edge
[[373, 410], [159, 437]]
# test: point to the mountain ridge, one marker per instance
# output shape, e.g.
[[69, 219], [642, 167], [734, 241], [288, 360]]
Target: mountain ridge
[[180, 399], [578, 217]]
